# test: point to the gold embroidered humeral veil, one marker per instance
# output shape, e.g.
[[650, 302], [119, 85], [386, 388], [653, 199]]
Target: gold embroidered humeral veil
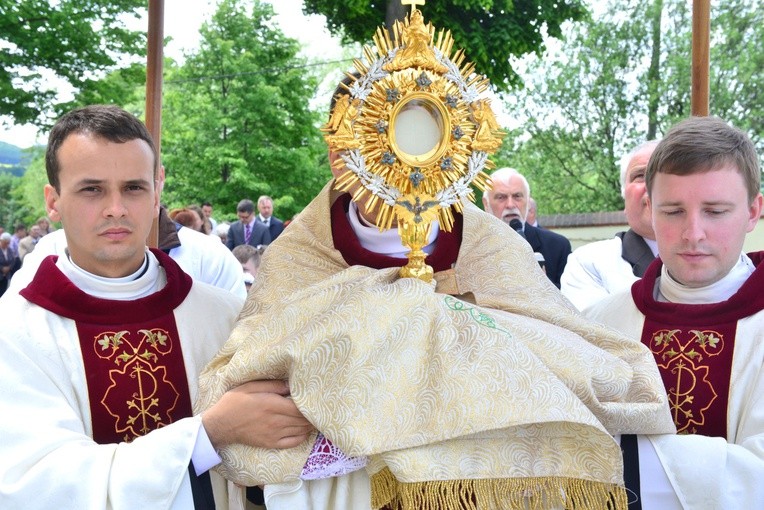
[[505, 400]]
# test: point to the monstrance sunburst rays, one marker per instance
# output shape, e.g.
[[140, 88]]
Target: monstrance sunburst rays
[[409, 81]]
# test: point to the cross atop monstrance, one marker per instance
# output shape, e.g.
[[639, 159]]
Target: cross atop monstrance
[[412, 3]]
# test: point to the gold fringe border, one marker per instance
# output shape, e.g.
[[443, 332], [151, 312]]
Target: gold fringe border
[[506, 493]]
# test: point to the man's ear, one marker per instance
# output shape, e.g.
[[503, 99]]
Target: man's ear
[[754, 212], [160, 178], [51, 203], [158, 187]]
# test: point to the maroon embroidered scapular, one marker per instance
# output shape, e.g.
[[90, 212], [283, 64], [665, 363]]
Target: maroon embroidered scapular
[[693, 347], [131, 351]]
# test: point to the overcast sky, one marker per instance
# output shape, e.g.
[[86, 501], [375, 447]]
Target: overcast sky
[[182, 21]]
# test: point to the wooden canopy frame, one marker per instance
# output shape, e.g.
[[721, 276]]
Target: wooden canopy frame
[[701, 28], [154, 68]]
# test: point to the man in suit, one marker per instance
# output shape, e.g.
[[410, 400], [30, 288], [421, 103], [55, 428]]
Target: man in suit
[[597, 270], [508, 201], [247, 230], [207, 210], [266, 217]]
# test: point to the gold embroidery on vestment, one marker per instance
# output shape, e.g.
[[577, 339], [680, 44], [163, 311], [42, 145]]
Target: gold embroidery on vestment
[[140, 369], [685, 355]]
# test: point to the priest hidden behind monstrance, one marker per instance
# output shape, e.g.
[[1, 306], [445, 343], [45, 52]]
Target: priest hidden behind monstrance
[[484, 389]]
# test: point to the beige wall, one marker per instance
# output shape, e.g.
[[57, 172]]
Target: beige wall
[[579, 236]]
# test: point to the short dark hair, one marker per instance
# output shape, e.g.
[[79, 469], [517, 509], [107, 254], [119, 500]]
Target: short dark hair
[[245, 206], [703, 144], [106, 121]]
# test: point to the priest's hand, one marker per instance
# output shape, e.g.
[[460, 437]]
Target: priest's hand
[[257, 413]]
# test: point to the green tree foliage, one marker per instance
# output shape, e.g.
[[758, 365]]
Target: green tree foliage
[[126, 87], [597, 97], [8, 206], [68, 39], [26, 201], [490, 31], [236, 122]]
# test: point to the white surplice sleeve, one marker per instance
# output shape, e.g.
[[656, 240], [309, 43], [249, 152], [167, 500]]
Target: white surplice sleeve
[[595, 271], [47, 457]]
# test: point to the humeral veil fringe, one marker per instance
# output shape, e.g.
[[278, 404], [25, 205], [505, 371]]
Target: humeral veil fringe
[[505, 494]]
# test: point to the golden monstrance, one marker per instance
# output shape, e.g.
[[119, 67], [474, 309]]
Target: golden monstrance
[[415, 130]]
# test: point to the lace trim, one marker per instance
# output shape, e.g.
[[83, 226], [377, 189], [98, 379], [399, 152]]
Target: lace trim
[[326, 461]]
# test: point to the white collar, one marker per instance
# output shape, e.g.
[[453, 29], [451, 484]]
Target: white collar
[[148, 279], [387, 242], [653, 245], [669, 290]]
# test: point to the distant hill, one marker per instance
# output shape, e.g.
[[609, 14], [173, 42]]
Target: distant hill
[[12, 159], [9, 154]]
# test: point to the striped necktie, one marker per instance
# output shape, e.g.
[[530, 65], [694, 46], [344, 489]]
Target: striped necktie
[[247, 233]]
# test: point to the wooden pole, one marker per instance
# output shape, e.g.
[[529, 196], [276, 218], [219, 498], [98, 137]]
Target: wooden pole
[[701, 28], [154, 66]]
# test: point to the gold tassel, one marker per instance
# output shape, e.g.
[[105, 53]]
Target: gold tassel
[[505, 494]]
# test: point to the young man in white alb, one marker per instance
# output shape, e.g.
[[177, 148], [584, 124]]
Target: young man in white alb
[[698, 308], [100, 354]]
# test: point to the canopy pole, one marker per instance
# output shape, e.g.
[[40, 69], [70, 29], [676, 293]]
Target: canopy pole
[[701, 28], [154, 66]]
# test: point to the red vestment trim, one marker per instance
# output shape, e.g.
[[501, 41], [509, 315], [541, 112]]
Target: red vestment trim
[[346, 242], [131, 351], [693, 346]]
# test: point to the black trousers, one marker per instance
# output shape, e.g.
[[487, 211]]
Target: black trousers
[[201, 489]]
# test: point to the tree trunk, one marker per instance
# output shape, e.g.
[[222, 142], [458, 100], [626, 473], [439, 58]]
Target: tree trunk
[[395, 11], [654, 74]]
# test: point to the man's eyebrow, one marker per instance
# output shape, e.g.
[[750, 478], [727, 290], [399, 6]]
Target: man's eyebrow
[[131, 182], [718, 202], [87, 181], [143, 182], [705, 203]]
